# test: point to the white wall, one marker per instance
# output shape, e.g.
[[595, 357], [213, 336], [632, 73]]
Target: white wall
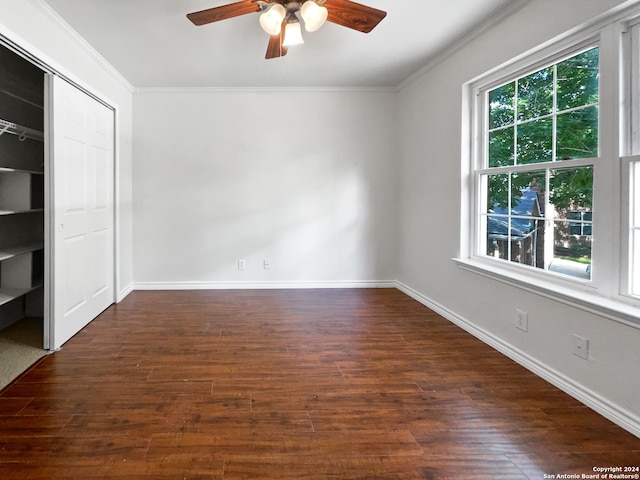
[[31, 25], [430, 142], [303, 178]]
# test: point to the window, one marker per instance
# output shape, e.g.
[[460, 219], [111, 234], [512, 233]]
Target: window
[[551, 196], [631, 172], [634, 229], [582, 226], [536, 172]]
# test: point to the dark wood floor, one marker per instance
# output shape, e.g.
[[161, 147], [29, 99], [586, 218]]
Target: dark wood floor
[[297, 384]]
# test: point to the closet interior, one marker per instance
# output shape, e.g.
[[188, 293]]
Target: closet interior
[[22, 183]]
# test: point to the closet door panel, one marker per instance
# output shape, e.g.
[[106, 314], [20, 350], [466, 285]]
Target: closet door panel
[[83, 224], [74, 292], [75, 171], [102, 184], [101, 268]]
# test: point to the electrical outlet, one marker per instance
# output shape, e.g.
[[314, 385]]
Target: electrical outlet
[[522, 320], [266, 264], [242, 264], [580, 346]]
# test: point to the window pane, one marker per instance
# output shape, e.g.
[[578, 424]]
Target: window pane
[[571, 197], [515, 226], [501, 106], [635, 262], [529, 191], [578, 80], [501, 147], [571, 253], [571, 190], [527, 218], [498, 236], [635, 198], [497, 194], [519, 240], [577, 134], [498, 225], [535, 140], [535, 95]]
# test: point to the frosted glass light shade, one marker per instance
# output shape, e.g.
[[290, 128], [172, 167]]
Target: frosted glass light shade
[[271, 20], [313, 15], [292, 34]]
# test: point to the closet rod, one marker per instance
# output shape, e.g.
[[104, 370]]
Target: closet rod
[[22, 132]]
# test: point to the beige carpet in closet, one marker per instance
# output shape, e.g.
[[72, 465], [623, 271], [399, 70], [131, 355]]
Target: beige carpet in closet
[[20, 347]]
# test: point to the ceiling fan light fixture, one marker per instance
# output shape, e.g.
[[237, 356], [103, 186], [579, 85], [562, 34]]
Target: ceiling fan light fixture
[[313, 15], [271, 20], [279, 18], [292, 32]]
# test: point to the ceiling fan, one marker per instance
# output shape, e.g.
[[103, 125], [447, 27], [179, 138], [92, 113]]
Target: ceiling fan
[[279, 18]]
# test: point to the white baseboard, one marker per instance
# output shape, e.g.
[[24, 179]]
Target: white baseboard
[[261, 285], [124, 292], [621, 417]]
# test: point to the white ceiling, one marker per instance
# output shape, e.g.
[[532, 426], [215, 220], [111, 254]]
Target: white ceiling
[[152, 44]]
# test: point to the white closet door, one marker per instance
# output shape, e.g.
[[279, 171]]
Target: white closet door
[[82, 167]]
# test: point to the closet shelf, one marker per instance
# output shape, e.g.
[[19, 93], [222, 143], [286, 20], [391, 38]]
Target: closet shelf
[[22, 132], [20, 170], [16, 212], [10, 293], [36, 100], [9, 252]]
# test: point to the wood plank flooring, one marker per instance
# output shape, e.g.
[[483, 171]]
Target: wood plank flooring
[[293, 384]]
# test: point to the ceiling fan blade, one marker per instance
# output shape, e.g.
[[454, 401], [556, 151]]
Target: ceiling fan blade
[[225, 11], [275, 48], [353, 15]]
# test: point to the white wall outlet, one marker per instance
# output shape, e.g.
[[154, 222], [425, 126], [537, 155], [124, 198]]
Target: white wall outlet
[[242, 264], [266, 264], [522, 320], [580, 346]]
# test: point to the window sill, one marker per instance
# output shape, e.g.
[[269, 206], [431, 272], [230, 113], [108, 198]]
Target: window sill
[[580, 296]]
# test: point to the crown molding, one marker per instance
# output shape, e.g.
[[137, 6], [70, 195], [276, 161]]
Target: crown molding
[[177, 90], [59, 22]]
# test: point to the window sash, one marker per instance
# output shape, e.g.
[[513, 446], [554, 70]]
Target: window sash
[[482, 168]]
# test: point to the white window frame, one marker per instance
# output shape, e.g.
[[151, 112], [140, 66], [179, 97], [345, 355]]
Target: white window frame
[[630, 278], [630, 161], [482, 170], [607, 292]]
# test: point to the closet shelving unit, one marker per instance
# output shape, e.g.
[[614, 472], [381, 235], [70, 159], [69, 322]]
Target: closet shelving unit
[[21, 189], [16, 184]]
